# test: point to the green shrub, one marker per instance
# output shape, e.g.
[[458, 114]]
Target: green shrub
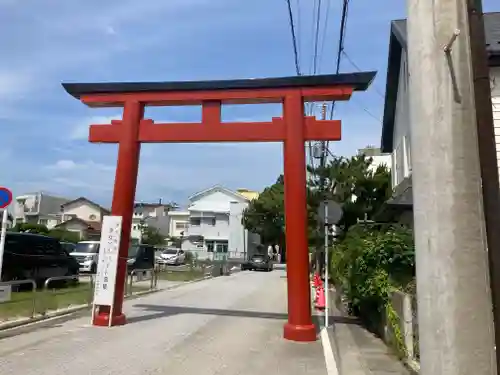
[[369, 263], [64, 235], [189, 257]]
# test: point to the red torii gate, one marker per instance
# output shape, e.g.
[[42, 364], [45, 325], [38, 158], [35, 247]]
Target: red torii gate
[[293, 129]]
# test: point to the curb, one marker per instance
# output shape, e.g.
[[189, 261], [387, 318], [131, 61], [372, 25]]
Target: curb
[[412, 366], [14, 327]]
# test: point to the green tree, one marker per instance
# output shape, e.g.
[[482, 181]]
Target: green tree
[[64, 235], [152, 236], [352, 182], [265, 215]]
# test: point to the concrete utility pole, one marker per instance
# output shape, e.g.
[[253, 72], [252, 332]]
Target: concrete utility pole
[[322, 162], [454, 301]]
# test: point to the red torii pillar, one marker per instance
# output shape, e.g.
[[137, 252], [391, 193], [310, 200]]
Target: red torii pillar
[[293, 129]]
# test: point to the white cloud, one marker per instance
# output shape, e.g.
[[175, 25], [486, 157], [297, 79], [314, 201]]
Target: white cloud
[[110, 30], [14, 84], [63, 165]]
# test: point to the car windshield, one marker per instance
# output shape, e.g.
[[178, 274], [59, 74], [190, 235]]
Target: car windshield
[[86, 247], [258, 257], [169, 252]]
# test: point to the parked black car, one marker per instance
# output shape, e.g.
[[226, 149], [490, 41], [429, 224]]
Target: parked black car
[[141, 257], [36, 257], [68, 246], [258, 262]]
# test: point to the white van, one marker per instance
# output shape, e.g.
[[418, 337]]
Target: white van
[[87, 255]]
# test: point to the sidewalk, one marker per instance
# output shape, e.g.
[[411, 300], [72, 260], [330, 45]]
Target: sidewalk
[[357, 351], [226, 326]]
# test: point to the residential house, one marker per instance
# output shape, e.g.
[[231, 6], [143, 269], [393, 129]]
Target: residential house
[[150, 214], [38, 208], [179, 223], [215, 224], [10, 219], [83, 216], [249, 194], [396, 122], [377, 156]]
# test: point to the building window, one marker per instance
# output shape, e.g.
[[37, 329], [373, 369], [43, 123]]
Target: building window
[[180, 225], [213, 221], [400, 163], [195, 222], [210, 246], [43, 221], [408, 152], [222, 247]]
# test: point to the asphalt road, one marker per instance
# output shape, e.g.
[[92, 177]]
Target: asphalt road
[[226, 326]]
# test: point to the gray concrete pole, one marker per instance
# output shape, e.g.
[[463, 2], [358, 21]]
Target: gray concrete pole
[[454, 302]]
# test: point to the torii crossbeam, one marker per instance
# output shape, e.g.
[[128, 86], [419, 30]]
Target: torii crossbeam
[[293, 129]]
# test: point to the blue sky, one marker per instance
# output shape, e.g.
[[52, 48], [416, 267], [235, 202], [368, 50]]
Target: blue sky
[[48, 42]]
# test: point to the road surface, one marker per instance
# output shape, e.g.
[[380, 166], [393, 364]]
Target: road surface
[[225, 326]]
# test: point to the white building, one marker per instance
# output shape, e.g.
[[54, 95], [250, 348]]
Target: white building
[[396, 123], [179, 223], [154, 215], [10, 220], [38, 208], [378, 157], [215, 224]]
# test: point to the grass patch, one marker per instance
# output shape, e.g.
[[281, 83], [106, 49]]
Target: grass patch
[[21, 304], [184, 275]]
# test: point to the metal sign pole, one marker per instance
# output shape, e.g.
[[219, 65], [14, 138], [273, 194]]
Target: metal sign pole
[[2, 238], [326, 265]]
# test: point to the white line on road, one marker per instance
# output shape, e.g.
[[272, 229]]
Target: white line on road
[[331, 364]]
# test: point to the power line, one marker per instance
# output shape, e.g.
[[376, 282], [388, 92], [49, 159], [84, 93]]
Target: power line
[[316, 37], [299, 30], [294, 38], [348, 58], [325, 29], [313, 32], [296, 53], [340, 48]]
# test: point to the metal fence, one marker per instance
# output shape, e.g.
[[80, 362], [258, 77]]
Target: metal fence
[[62, 292]]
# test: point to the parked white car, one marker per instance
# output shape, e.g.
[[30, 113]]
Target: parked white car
[[171, 257]]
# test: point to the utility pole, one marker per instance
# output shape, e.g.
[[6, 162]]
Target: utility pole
[[322, 163], [453, 290], [487, 155]]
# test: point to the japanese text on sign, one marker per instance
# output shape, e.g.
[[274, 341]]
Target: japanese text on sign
[[108, 260]]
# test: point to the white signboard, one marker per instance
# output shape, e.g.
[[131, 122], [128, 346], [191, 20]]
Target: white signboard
[[5, 293], [105, 279]]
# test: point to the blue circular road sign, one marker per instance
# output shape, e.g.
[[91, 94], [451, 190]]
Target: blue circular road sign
[[5, 197]]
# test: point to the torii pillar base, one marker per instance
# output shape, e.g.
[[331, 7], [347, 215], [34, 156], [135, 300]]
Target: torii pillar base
[[101, 319], [300, 333]]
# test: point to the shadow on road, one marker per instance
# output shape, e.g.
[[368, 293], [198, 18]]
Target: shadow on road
[[159, 311]]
